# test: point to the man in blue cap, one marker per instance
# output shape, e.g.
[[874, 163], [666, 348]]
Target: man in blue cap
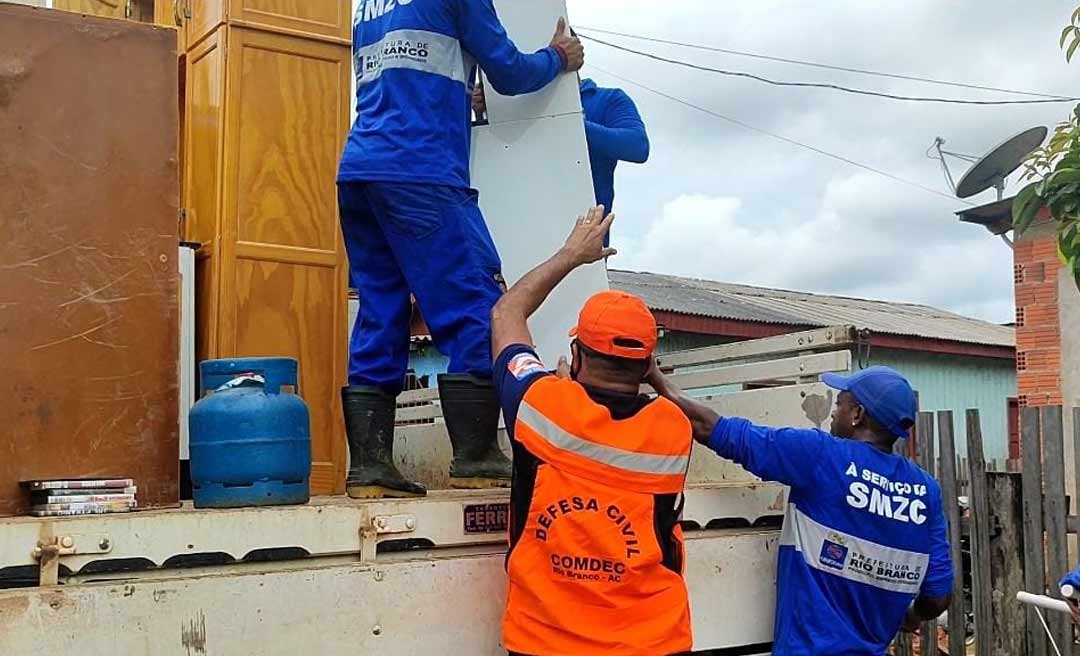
[[864, 550]]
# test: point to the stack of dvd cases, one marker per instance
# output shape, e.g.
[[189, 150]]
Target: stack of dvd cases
[[64, 498]]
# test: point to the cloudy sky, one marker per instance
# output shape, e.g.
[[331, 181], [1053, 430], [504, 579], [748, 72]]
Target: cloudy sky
[[720, 202]]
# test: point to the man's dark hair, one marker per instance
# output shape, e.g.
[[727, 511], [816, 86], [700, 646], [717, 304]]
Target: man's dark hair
[[624, 368]]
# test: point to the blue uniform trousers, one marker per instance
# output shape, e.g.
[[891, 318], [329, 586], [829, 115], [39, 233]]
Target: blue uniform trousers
[[430, 240]]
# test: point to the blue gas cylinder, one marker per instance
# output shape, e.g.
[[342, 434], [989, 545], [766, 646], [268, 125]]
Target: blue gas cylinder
[[250, 440]]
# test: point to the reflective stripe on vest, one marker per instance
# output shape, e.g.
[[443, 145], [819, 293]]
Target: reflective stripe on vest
[[561, 425], [645, 463]]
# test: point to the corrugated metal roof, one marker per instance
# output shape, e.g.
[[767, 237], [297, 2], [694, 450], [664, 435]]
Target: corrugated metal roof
[[745, 303]]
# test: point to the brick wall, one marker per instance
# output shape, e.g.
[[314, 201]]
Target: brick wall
[[1038, 329]]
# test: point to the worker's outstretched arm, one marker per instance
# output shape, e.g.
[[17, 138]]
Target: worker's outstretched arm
[[787, 455], [585, 245], [511, 71], [703, 419], [622, 136]]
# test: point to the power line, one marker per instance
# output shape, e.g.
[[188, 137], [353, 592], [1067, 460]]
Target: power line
[[831, 67], [780, 137], [817, 85]]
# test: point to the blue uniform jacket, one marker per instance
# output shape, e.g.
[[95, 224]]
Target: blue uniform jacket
[[415, 61], [864, 535], [615, 132]]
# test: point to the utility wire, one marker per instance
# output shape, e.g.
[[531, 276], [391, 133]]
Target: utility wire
[[834, 87], [831, 67], [780, 137]]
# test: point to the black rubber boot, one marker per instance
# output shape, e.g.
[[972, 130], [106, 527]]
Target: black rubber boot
[[369, 424], [471, 412]]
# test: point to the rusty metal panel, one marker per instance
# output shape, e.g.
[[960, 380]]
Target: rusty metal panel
[[88, 258]]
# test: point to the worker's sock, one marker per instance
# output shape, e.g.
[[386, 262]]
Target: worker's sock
[[471, 411], [369, 424]]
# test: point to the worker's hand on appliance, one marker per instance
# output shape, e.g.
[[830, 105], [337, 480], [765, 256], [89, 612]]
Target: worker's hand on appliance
[[573, 53], [479, 103], [569, 47], [585, 244]]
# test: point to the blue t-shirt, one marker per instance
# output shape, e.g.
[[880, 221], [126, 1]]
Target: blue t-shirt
[[415, 61], [864, 535]]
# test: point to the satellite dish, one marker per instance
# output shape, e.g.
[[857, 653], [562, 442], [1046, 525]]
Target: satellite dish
[[992, 169]]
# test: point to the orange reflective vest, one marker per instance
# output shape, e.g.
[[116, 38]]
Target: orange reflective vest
[[597, 567]]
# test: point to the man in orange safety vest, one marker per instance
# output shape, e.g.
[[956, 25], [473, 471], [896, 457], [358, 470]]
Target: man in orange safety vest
[[596, 552]]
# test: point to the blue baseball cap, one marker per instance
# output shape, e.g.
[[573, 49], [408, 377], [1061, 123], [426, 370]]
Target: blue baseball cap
[[885, 394]]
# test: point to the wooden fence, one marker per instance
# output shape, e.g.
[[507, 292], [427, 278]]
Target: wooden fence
[[1011, 536]]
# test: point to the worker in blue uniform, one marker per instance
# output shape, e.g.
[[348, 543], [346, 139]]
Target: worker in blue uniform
[[864, 549], [412, 224], [614, 131]]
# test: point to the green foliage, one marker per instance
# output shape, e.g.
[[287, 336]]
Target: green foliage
[[1071, 35], [1054, 171]]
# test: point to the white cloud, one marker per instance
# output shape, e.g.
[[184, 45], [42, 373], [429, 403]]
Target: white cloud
[[847, 246], [718, 201]]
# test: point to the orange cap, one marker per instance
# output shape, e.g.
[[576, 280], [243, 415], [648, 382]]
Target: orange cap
[[618, 324]]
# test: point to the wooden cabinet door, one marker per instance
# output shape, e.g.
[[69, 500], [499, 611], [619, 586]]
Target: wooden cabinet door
[[110, 8], [283, 274], [204, 96], [168, 12], [201, 17], [318, 18]]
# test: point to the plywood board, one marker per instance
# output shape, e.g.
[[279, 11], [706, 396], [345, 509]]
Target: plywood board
[[88, 206]]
